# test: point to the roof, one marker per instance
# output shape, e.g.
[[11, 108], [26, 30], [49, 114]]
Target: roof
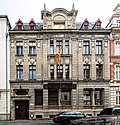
[[5, 16], [38, 26]]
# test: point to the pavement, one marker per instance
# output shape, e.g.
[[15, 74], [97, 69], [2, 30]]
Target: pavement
[[27, 122]]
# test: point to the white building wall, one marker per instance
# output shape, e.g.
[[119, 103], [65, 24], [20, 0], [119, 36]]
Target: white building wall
[[4, 63]]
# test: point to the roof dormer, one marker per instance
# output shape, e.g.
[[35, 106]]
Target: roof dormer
[[32, 24], [19, 24], [98, 24], [86, 24]]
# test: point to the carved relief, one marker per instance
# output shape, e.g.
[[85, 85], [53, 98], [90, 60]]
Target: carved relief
[[19, 61], [99, 61], [117, 61], [32, 61], [86, 60]]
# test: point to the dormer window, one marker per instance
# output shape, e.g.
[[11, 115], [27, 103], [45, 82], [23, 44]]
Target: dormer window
[[98, 24], [85, 24], [32, 24], [19, 25]]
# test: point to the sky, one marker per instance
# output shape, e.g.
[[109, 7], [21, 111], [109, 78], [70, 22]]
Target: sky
[[31, 9]]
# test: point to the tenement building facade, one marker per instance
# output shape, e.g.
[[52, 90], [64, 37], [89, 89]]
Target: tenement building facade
[[58, 65], [114, 25]]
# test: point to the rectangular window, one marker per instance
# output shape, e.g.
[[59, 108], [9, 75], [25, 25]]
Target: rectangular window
[[19, 47], [32, 47], [65, 98], [51, 47], [59, 47], [98, 97], [117, 97], [86, 71], [32, 72], [67, 71], [52, 71], [38, 97], [87, 97], [99, 47], [86, 47], [117, 72], [66, 46], [59, 71], [117, 48], [99, 71], [19, 71]]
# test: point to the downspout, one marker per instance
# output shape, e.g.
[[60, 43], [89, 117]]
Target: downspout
[[6, 35]]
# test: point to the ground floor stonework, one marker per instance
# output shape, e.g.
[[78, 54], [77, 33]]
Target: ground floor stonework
[[34, 100]]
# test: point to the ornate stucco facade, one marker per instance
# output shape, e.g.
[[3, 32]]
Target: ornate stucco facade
[[41, 86]]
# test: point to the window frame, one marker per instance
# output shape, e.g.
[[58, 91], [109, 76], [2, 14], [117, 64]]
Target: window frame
[[86, 46], [99, 47], [19, 47], [32, 72], [19, 72], [86, 71]]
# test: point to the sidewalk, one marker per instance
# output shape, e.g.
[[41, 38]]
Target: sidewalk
[[27, 122]]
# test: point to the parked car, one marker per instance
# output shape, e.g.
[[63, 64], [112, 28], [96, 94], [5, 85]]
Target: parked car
[[107, 116], [64, 118], [111, 115]]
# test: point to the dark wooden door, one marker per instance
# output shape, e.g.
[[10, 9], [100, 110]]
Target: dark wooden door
[[22, 109]]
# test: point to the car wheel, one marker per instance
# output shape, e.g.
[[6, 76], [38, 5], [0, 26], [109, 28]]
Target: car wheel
[[65, 122]]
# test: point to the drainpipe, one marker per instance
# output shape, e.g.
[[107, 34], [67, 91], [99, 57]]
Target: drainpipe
[[6, 73]]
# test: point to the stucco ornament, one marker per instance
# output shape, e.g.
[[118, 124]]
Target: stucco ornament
[[25, 44], [32, 61], [99, 60], [80, 44], [12, 45], [38, 44], [86, 60], [19, 61]]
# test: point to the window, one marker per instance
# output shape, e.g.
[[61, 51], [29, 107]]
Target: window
[[52, 71], [98, 97], [117, 97], [86, 71], [59, 46], [87, 97], [67, 71], [32, 72], [38, 97], [66, 46], [99, 47], [99, 69], [19, 47], [117, 72], [32, 47], [86, 48], [117, 48], [19, 71], [51, 47], [65, 98], [59, 71]]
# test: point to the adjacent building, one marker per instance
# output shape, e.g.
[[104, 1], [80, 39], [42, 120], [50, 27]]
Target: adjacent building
[[114, 25], [58, 65], [4, 68]]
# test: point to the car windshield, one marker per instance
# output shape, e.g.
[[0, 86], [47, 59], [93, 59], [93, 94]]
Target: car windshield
[[107, 111], [116, 111]]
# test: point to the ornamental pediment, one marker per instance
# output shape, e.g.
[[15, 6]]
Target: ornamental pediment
[[117, 61]]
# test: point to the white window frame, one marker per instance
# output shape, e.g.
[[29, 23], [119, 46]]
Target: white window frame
[[117, 47], [117, 72], [117, 97]]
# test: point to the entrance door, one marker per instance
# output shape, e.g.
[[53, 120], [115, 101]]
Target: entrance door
[[22, 109]]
